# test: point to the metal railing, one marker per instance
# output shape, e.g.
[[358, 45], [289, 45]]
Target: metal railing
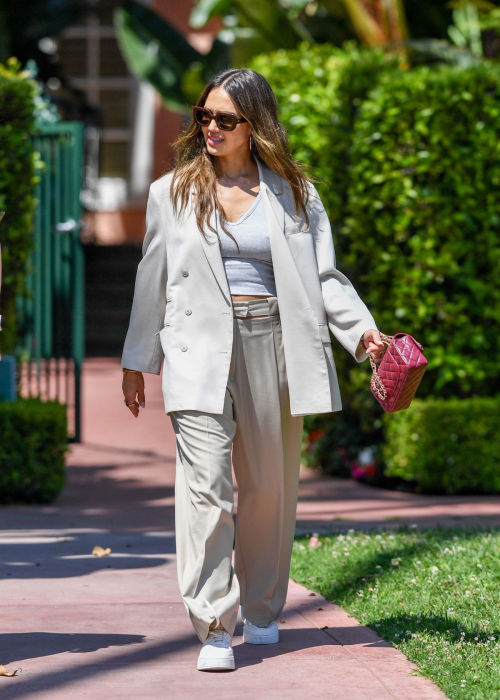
[[51, 319]]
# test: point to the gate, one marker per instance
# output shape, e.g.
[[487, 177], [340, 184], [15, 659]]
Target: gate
[[51, 320]]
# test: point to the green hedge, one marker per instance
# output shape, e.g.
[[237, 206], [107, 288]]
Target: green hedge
[[18, 162], [33, 443], [319, 88], [410, 164], [446, 445], [423, 218], [410, 167]]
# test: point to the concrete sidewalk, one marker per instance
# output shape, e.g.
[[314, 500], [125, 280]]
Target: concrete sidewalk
[[115, 627]]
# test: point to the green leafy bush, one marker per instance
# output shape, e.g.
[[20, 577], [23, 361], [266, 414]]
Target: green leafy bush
[[446, 445], [18, 161], [319, 88], [410, 169], [422, 221], [409, 163], [33, 443]]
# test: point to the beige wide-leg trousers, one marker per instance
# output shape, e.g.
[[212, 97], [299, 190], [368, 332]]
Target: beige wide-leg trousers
[[265, 442]]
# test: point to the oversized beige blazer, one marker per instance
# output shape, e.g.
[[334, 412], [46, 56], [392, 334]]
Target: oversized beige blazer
[[182, 316]]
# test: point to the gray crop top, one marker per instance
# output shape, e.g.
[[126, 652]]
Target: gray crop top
[[249, 271]]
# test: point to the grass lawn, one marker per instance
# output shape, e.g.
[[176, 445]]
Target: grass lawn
[[432, 593]]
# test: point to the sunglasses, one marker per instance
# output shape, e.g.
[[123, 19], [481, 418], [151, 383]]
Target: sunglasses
[[226, 121]]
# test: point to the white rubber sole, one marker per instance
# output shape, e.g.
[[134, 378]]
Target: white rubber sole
[[216, 664], [252, 638]]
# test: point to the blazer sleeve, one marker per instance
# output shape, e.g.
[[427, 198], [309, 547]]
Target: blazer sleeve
[[347, 315], [142, 348]]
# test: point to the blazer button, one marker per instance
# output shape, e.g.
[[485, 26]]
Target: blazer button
[[185, 273], [184, 348], [188, 312]]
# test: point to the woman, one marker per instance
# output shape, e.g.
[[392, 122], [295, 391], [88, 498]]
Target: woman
[[239, 319]]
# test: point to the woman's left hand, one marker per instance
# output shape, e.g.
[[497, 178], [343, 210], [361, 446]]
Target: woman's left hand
[[374, 345]]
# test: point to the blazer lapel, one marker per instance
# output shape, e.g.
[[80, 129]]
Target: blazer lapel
[[286, 274], [214, 257]]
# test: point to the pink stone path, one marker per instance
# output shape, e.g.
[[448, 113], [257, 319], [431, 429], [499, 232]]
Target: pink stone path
[[115, 627]]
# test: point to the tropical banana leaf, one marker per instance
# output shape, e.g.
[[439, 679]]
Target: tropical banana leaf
[[426, 51], [206, 9], [253, 27], [157, 53]]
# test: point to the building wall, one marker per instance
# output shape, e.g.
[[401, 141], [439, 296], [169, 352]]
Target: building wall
[[168, 124], [137, 131]]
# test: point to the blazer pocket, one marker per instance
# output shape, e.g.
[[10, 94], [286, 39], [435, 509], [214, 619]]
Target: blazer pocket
[[166, 321]]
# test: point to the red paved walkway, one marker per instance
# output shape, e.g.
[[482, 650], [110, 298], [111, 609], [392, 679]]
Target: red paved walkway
[[115, 627]]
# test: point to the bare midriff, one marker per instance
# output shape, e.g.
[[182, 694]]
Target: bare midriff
[[245, 297]]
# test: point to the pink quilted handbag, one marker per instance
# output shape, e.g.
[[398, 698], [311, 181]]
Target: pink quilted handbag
[[395, 380]]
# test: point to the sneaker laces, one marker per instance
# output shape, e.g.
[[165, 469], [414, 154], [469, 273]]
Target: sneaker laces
[[217, 638]]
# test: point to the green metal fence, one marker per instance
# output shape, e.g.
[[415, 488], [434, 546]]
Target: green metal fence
[[51, 319]]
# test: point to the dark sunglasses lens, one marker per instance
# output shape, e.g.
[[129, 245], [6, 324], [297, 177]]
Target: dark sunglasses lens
[[226, 122], [201, 116]]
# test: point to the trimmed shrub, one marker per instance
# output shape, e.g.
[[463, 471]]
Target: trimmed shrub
[[422, 225], [447, 445], [320, 89], [410, 165], [18, 162], [33, 443]]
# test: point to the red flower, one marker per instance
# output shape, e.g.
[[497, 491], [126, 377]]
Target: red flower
[[315, 435]]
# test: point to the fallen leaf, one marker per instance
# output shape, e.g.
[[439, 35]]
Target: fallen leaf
[[312, 594], [4, 672], [100, 552], [321, 608], [282, 620]]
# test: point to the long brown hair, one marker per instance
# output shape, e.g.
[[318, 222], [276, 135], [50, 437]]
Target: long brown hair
[[195, 166]]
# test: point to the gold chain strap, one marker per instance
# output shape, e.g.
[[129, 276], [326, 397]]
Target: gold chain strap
[[376, 382]]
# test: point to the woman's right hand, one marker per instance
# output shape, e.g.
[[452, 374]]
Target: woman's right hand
[[132, 386]]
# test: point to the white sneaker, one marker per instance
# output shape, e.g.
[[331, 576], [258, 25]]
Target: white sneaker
[[260, 635], [216, 653]]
